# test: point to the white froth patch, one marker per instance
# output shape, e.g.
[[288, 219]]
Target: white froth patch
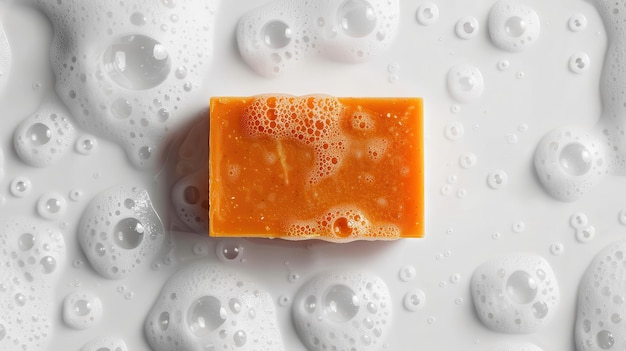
[[126, 69], [82, 310], [569, 162], [120, 231], [204, 307], [280, 33], [513, 26], [601, 297], [32, 254], [343, 311], [44, 137], [107, 343], [515, 293]]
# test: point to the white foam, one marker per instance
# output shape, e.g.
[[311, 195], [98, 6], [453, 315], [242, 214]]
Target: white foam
[[513, 26], [516, 293], [45, 137], [32, 255], [82, 309], [343, 310], [6, 58], [107, 343], [274, 36], [127, 80], [205, 307], [601, 297], [120, 231], [569, 162]]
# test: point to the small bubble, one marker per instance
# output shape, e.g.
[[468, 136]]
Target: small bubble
[[503, 65], [164, 320], [86, 144], [577, 22], [240, 338], [446, 189], [454, 131], [511, 138], [575, 159], [519, 227], [585, 234], [578, 220], [458, 301], [51, 205], [340, 303], [357, 18], [519, 75], [75, 195], [496, 236], [77, 263], [201, 249], [431, 320], [467, 27], [523, 128], [48, 264], [138, 19], [579, 62], [20, 299], [284, 300], [414, 300], [26, 241], [129, 295], [455, 278], [461, 193], [229, 250], [605, 339], [128, 233], [162, 114], [557, 248], [427, 14], [205, 315], [145, 152], [20, 186], [408, 273], [497, 179], [467, 160], [39, 134], [276, 34], [521, 287]]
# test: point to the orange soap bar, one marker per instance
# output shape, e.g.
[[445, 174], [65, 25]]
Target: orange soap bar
[[337, 169]]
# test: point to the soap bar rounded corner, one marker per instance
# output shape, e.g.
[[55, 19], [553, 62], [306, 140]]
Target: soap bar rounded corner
[[316, 167]]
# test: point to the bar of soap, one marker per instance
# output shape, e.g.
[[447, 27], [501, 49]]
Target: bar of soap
[[302, 167]]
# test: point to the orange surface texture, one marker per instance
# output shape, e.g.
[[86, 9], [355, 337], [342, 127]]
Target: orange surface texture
[[337, 169]]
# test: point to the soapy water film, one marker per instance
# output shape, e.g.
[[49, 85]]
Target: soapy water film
[[125, 72]]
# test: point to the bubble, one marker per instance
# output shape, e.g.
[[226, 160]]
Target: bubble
[[105, 344], [48, 264], [43, 138], [276, 34], [81, 310], [465, 83], [145, 152], [427, 13], [229, 250], [605, 339], [467, 160], [205, 315], [579, 62], [138, 19], [26, 241], [454, 131], [124, 223], [557, 248], [357, 18], [86, 144], [455, 278], [578, 220], [467, 27], [577, 23], [519, 227], [497, 179], [121, 108], [503, 65], [513, 26], [137, 62], [585, 234], [515, 293], [128, 233], [408, 273], [346, 299], [237, 313], [51, 205]]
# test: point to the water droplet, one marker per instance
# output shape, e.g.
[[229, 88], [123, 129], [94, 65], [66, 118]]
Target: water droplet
[[340, 303], [427, 13], [137, 62], [205, 315], [579, 62], [414, 300], [521, 287], [128, 233], [357, 18], [39, 134], [276, 34], [26, 241], [575, 159], [467, 27]]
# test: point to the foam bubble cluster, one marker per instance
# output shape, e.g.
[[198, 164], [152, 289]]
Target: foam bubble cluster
[[192, 166], [601, 297], [345, 223], [274, 36], [125, 69], [513, 26], [310, 120], [515, 293], [343, 311], [44, 137], [107, 343], [32, 255], [120, 231], [204, 307], [569, 162], [82, 310]]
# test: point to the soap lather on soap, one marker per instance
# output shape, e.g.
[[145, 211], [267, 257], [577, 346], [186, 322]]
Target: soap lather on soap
[[337, 169]]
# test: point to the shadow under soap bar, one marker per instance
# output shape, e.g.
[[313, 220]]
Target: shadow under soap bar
[[337, 169]]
